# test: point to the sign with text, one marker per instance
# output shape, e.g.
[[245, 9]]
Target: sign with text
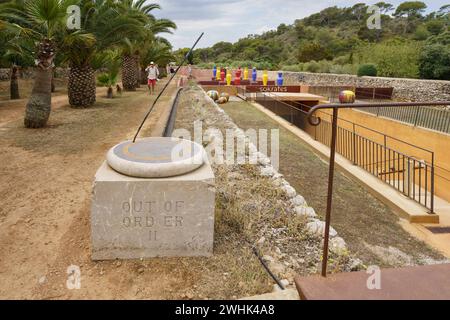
[[273, 88]]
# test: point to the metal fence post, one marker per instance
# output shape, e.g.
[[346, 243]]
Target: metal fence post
[[432, 185], [354, 144], [330, 192], [417, 116]]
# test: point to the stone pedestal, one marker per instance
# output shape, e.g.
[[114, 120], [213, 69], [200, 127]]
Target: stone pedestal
[[158, 217]]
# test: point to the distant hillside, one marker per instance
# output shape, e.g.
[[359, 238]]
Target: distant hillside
[[337, 40]]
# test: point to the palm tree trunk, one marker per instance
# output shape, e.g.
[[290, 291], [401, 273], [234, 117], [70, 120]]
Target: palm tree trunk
[[144, 79], [14, 84], [109, 93], [38, 107], [81, 86], [137, 61], [128, 73], [53, 81]]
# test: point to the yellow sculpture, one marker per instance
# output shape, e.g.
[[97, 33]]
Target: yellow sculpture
[[246, 74], [218, 74], [228, 78], [265, 78]]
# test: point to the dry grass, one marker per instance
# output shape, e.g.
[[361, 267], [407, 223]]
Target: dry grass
[[362, 220], [249, 208]]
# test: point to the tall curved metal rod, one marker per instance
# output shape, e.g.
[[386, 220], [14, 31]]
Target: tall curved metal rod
[[315, 121], [165, 87]]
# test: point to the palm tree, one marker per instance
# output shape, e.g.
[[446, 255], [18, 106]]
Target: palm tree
[[16, 49], [132, 46], [159, 51], [47, 18], [40, 21], [81, 87], [111, 62], [103, 27]]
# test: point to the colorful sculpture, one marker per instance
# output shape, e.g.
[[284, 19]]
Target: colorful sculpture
[[222, 75], [254, 74], [218, 74], [214, 72], [280, 79], [228, 79], [246, 74], [237, 79], [265, 78], [347, 96], [213, 94], [225, 95]]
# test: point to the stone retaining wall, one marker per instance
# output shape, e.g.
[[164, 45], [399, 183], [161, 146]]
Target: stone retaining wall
[[28, 73], [404, 89]]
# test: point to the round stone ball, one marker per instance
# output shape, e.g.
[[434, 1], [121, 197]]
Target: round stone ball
[[213, 94], [222, 100], [225, 95], [346, 96]]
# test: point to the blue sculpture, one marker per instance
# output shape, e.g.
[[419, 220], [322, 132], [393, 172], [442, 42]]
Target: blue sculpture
[[280, 79], [254, 74], [214, 71]]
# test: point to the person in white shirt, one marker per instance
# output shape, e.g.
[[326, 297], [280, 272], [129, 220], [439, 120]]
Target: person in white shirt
[[152, 76]]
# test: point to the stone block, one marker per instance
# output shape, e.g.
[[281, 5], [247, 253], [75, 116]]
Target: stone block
[[142, 218]]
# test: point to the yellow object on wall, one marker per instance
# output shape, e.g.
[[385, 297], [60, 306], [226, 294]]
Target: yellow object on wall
[[265, 78], [229, 79], [246, 74], [218, 74]]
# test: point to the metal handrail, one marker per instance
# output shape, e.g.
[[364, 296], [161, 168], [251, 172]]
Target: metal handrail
[[315, 121], [352, 123]]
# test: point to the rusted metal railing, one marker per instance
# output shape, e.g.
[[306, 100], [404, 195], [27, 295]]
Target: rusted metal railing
[[411, 173], [315, 121]]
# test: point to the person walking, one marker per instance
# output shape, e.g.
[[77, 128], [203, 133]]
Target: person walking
[[152, 76]]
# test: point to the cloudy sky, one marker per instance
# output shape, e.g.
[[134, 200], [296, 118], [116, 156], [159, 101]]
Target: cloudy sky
[[229, 20]]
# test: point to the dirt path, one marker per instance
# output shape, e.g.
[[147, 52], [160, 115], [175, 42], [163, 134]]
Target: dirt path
[[46, 178], [370, 228]]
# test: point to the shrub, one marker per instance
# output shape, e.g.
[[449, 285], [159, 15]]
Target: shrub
[[434, 62], [344, 69], [312, 66], [293, 68], [367, 70], [324, 66], [394, 58]]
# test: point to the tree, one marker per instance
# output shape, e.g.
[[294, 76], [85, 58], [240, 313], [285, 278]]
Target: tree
[[111, 62], [435, 26], [160, 52], [103, 27], [16, 51], [385, 7], [359, 10], [434, 62], [444, 11], [151, 26], [312, 51], [410, 9], [42, 21]]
